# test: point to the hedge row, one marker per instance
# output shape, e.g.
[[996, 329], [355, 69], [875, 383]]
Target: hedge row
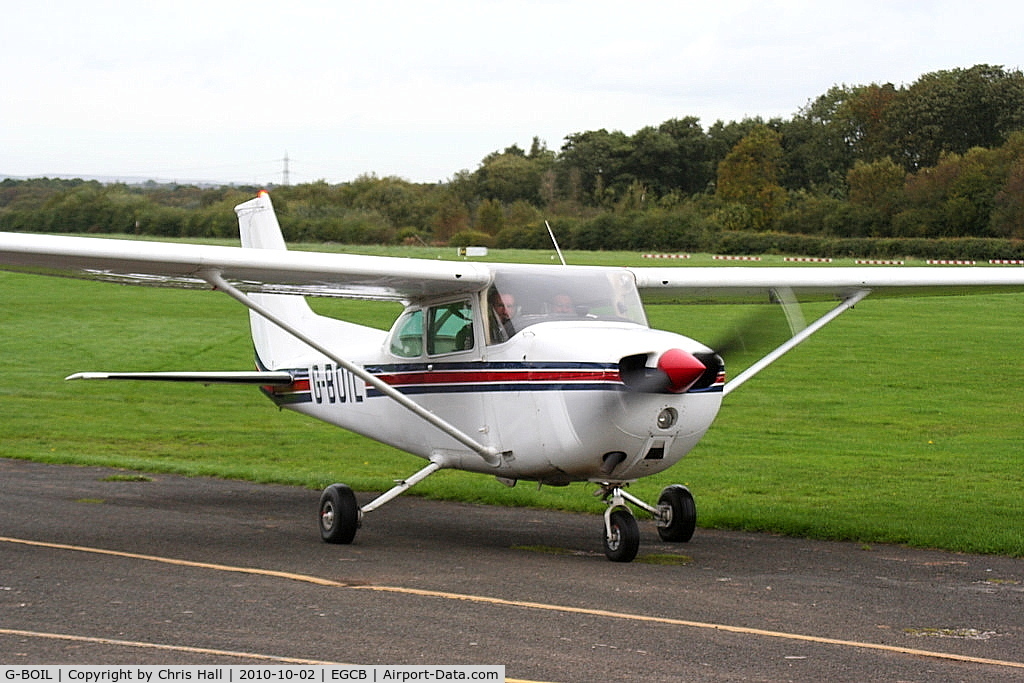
[[655, 230], [667, 235]]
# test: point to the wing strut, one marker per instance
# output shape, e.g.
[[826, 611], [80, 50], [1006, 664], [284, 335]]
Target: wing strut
[[488, 453], [847, 303]]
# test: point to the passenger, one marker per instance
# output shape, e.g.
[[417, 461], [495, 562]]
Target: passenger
[[562, 305]]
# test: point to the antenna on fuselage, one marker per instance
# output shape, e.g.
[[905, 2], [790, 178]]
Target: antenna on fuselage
[[555, 242]]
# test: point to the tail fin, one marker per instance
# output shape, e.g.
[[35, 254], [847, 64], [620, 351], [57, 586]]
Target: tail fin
[[257, 224], [275, 348]]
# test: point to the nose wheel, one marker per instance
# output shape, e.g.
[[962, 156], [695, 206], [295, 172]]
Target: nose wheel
[[676, 517], [621, 535]]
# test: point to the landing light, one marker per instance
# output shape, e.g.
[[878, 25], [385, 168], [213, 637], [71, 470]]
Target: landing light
[[667, 418]]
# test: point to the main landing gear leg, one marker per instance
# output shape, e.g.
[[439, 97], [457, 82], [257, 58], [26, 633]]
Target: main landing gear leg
[[676, 517], [340, 516]]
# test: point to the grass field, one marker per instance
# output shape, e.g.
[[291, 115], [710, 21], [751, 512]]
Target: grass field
[[903, 421]]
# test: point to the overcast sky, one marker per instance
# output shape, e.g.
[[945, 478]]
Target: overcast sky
[[221, 91]]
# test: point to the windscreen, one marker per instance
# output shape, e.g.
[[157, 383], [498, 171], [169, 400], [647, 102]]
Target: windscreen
[[522, 297]]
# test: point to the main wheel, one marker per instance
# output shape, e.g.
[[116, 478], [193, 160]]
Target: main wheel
[[622, 540], [339, 514], [680, 514]]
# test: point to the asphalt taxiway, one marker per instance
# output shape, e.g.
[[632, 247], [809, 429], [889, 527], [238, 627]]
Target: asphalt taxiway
[[102, 569]]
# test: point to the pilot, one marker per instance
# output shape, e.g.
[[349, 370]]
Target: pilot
[[502, 306]]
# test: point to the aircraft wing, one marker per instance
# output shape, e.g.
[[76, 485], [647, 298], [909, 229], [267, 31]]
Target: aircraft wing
[[278, 271], [252, 270], [754, 284]]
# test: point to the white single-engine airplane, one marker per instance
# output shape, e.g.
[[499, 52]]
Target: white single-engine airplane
[[538, 373]]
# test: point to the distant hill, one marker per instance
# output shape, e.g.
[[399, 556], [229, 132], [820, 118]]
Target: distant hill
[[127, 180]]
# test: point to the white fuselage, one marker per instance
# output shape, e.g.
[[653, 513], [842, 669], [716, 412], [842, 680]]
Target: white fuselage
[[550, 401]]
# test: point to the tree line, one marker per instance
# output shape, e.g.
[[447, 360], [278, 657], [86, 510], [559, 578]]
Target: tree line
[[934, 168]]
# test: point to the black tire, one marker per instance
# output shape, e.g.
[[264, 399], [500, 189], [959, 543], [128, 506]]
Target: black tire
[[677, 503], [339, 514], [625, 536]]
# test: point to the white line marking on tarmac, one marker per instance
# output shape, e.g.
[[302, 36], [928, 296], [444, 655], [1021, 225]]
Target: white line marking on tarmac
[[161, 646]]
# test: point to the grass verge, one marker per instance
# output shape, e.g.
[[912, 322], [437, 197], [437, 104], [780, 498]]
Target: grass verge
[[901, 422]]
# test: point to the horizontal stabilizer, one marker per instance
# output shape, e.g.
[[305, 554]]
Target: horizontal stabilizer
[[258, 378]]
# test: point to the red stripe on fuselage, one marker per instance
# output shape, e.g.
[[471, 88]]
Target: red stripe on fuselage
[[489, 376]]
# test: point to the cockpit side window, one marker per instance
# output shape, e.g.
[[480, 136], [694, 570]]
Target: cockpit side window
[[446, 328], [407, 334], [450, 329]]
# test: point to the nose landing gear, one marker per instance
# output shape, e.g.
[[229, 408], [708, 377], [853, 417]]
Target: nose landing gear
[[621, 534], [675, 516]]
